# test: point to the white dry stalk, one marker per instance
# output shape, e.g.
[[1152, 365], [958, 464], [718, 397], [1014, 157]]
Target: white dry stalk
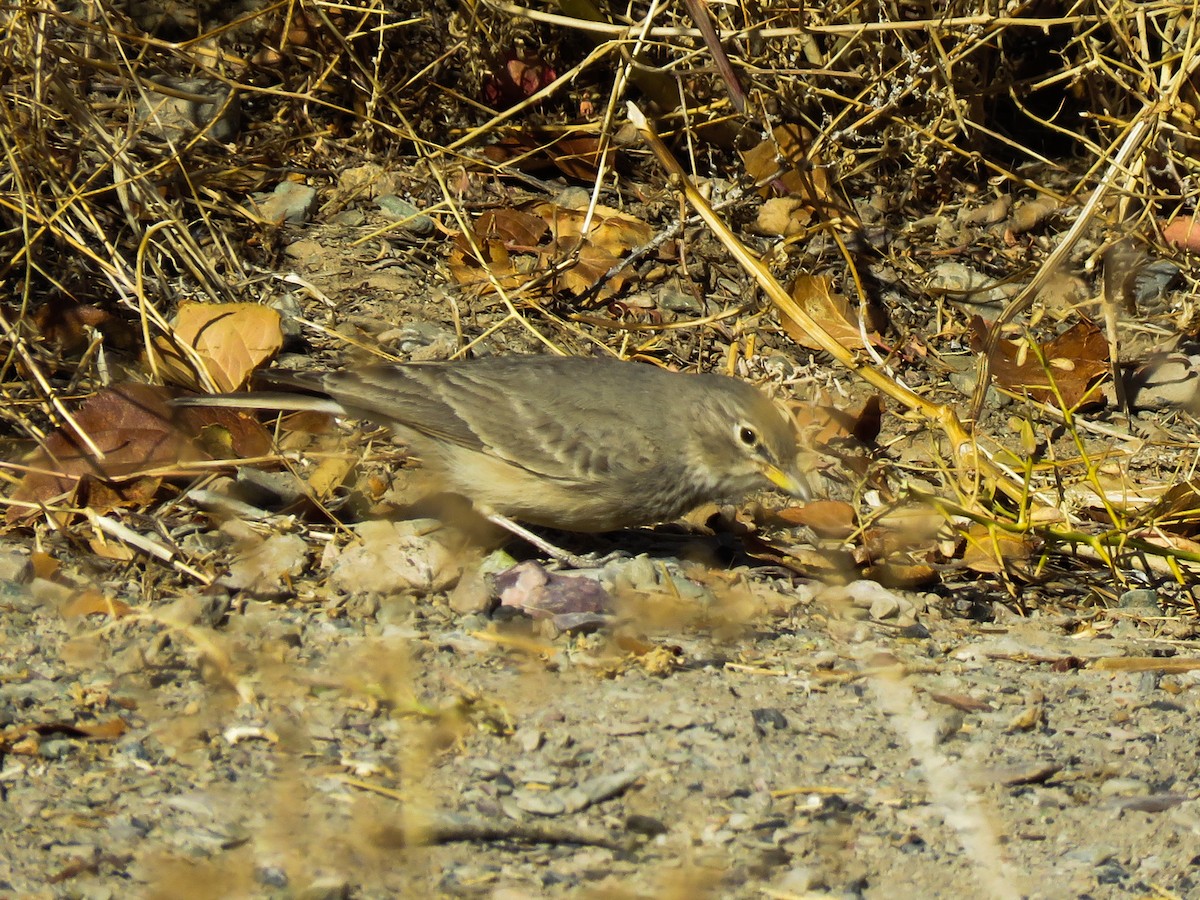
[[143, 542], [960, 806]]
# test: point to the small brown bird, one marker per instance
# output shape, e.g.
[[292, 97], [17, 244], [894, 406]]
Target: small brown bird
[[571, 443]]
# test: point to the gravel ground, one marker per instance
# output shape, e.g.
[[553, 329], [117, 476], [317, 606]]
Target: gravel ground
[[771, 738]]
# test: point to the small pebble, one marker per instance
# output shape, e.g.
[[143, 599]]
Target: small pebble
[[1117, 787]]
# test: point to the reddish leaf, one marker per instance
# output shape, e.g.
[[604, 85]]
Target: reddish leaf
[[520, 76], [1183, 232], [69, 324], [136, 431]]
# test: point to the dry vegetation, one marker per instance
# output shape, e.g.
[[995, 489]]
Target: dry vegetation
[[1023, 144], [881, 212]]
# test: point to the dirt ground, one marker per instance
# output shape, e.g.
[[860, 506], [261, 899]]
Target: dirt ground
[[778, 741]]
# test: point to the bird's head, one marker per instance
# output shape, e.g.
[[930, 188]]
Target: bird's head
[[746, 442]]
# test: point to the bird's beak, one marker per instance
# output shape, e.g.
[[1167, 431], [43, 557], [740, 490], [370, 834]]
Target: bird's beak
[[789, 482]]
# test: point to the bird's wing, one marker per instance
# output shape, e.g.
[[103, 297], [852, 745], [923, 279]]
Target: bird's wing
[[543, 415]]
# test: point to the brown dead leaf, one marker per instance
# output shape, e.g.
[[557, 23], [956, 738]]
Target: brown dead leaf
[[815, 295], [330, 474], [43, 565], [610, 229], [90, 602], [70, 325], [783, 217], [232, 339], [993, 550], [1073, 362], [823, 423], [500, 235], [520, 246], [25, 739], [521, 74], [578, 156], [136, 430], [519, 231], [963, 702], [100, 496], [828, 518], [900, 541], [575, 154], [780, 162], [106, 549], [473, 275], [96, 731], [591, 264], [901, 572], [1177, 511], [1029, 214]]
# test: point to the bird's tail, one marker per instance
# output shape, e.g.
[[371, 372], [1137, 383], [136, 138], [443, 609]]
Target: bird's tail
[[280, 400]]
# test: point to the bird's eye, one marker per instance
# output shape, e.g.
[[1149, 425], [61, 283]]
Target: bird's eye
[[747, 435]]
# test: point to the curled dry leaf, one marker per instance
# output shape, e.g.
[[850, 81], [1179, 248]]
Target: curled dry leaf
[[1030, 214], [136, 430], [822, 423], [1183, 232], [1177, 511], [1073, 362], [910, 526], [520, 75], [70, 325], [594, 256], [519, 231], [589, 267], [499, 234], [611, 230], [988, 214], [25, 739], [231, 339], [816, 296], [91, 602], [783, 217], [901, 572]]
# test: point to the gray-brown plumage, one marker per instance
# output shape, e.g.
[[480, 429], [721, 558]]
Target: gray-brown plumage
[[576, 444]]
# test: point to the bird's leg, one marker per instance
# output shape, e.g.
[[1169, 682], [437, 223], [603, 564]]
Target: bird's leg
[[570, 560]]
